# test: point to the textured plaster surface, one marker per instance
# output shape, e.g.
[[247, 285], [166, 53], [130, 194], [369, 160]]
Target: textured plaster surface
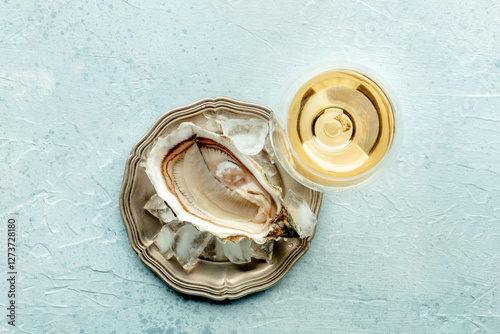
[[418, 251]]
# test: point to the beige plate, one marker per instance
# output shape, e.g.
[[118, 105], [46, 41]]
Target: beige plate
[[215, 280]]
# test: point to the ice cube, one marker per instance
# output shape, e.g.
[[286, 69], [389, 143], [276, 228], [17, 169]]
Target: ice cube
[[164, 240], [211, 122], [262, 252], [248, 135], [158, 208], [214, 250], [238, 252], [213, 125], [270, 171], [188, 245], [303, 218]]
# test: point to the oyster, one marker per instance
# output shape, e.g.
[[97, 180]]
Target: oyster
[[207, 182]]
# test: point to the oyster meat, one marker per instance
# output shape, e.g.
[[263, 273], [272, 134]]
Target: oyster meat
[[202, 179]]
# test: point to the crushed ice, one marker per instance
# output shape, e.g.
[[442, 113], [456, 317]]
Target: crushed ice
[[238, 252], [248, 135], [187, 243], [302, 215], [158, 208]]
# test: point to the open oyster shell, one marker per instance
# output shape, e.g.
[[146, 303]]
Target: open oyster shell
[[231, 210]]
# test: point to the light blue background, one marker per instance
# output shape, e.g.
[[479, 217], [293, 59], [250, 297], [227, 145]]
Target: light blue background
[[416, 252]]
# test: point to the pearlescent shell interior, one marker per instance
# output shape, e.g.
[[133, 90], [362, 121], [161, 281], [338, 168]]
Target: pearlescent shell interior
[[214, 280]]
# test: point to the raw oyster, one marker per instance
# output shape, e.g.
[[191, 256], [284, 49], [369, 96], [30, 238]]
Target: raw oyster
[[234, 213], [208, 182]]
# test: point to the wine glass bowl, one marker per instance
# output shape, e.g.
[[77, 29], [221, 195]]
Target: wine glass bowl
[[339, 129]]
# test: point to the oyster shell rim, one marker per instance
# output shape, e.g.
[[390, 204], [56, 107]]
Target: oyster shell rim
[[142, 246]]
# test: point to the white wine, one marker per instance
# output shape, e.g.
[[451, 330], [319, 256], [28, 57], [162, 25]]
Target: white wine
[[340, 124]]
